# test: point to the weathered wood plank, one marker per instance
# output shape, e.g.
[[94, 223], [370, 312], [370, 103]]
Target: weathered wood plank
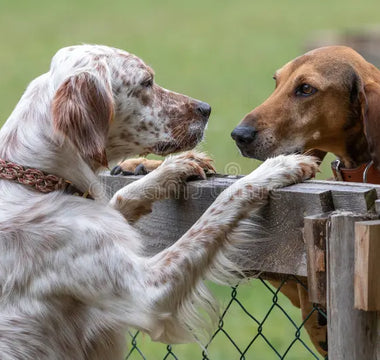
[[315, 230], [352, 333], [355, 197], [277, 245], [280, 248], [377, 206], [345, 184], [283, 221], [367, 265]]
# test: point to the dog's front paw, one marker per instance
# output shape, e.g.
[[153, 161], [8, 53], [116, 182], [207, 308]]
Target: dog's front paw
[[138, 166], [187, 166], [285, 170]]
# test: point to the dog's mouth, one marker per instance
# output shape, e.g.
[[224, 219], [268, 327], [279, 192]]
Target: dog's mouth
[[164, 148], [193, 136], [263, 154]]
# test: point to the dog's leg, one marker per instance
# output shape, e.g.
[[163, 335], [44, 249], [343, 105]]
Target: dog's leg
[[136, 199], [99, 266], [316, 325], [174, 276]]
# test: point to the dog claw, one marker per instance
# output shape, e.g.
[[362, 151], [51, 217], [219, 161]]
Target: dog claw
[[116, 170], [140, 170]]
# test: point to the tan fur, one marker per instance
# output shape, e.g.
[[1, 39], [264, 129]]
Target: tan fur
[[331, 120], [130, 165]]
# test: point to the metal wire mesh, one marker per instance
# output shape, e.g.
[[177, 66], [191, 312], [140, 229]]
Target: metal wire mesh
[[246, 351]]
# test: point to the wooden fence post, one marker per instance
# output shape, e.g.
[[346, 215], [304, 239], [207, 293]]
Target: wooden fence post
[[351, 333], [315, 240], [367, 265]]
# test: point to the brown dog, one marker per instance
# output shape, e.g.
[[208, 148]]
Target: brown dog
[[327, 100]]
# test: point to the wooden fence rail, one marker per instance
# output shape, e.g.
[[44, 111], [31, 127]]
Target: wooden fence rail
[[309, 232]]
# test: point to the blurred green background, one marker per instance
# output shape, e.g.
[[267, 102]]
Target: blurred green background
[[223, 52]]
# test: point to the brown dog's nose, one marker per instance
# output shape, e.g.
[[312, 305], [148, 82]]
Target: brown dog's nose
[[243, 135], [204, 109]]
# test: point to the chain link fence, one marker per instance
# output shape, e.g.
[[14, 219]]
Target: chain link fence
[[274, 330]]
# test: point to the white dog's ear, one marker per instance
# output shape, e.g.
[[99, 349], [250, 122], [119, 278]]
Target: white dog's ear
[[82, 110]]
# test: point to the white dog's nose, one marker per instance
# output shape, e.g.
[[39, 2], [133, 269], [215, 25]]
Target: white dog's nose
[[204, 109]]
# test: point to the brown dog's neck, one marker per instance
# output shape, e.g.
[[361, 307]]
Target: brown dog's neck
[[356, 152], [352, 152]]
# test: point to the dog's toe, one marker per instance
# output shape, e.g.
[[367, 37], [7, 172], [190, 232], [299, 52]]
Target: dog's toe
[[140, 170], [138, 166], [116, 170]]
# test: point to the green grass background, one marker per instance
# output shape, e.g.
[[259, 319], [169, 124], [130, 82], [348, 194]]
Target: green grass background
[[223, 52]]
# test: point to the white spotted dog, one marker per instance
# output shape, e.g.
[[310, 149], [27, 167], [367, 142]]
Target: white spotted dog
[[72, 274]]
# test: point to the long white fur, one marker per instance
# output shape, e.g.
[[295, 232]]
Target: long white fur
[[72, 274]]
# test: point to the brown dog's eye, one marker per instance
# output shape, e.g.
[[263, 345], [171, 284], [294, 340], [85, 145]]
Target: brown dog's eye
[[305, 90]]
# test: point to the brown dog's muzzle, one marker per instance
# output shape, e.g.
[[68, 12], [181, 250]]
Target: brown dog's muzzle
[[247, 136]]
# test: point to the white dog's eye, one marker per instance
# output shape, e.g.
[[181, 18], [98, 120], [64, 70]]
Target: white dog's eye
[[147, 83]]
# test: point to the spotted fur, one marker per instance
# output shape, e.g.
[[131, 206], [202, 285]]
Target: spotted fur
[[72, 274]]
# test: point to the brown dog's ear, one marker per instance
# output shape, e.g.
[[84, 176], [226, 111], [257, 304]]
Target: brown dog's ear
[[82, 110], [370, 101]]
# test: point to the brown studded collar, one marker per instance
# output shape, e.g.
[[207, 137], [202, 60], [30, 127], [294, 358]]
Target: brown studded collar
[[38, 179]]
